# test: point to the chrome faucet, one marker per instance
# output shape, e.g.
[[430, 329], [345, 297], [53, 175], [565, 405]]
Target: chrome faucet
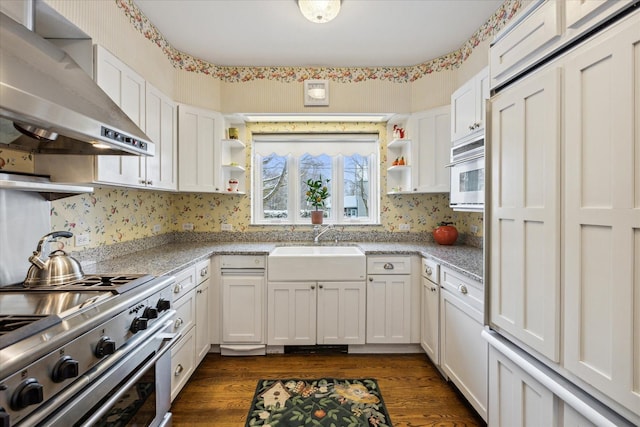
[[318, 231]]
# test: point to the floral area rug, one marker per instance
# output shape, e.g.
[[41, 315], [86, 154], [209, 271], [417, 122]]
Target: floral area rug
[[323, 402]]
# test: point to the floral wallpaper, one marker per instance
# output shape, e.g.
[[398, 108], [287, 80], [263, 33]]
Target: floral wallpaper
[[184, 61], [111, 215], [16, 161]]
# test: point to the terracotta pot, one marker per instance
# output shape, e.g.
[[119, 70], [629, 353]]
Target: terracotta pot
[[316, 217], [445, 234]]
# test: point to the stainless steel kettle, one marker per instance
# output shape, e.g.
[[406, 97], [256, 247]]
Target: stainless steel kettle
[[56, 270]]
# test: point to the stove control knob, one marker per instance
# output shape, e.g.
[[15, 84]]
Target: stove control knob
[[64, 369], [150, 313], [105, 347], [138, 324], [29, 392], [163, 304]]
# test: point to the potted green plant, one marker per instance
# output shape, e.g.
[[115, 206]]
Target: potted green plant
[[316, 196]]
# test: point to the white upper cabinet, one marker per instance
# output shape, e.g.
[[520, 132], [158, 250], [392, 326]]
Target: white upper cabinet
[[127, 89], [545, 28], [153, 111], [468, 109], [199, 134], [431, 135], [162, 129]]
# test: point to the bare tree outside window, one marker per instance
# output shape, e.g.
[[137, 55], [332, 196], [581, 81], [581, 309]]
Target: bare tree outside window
[[275, 191], [356, 186]]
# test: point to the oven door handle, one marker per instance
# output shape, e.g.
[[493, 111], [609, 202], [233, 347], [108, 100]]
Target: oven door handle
[[169, 340], [466, 159]]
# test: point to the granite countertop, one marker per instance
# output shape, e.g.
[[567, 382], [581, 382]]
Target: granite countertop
[[170, 258]]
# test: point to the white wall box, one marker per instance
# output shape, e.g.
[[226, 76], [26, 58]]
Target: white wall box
[[308, 313], [389, 299], [463, 351], [525, 212], [544, 28], [431, 135], [430, 310], [468, 110]]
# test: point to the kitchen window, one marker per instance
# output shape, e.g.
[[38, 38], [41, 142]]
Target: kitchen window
[[283, 163]]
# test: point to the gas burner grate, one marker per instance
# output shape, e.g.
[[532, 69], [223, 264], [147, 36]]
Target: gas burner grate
[[115, 283], [102, 282], [15, 327]]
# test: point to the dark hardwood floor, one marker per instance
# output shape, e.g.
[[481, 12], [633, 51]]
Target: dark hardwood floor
[[220, 391]]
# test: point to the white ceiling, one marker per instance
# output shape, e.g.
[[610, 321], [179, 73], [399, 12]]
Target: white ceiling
[[366, 33]]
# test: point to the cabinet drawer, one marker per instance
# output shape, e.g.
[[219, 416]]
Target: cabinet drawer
[[385, 264], [185, 281], [528, 42], [467, 290], [183, 359], [431, 270], [185, 312], [203, 272]]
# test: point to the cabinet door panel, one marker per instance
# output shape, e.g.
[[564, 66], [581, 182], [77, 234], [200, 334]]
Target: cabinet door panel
[[525, 212], [464, 353], [242, 312], [127, 89], [389, 309], [161, 127], [430, 320], [341, 313], [463, 110], [199, 135], [291, 309], [202, 321], [602, 216]]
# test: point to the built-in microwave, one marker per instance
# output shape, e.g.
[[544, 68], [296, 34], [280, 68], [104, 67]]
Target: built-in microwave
[[467, 176]]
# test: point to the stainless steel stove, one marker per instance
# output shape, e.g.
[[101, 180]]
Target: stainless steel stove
[[74, 354]]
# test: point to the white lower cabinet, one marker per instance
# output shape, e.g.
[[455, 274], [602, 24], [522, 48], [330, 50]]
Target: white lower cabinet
[[516, 399], [242, 309], [430, 310], [388, 300], [191, 302], [463, 352], [308, 313], [202, 310], [182, 362]]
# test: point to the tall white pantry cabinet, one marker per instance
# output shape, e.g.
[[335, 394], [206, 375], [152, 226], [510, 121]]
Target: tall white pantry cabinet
[[564, 268]]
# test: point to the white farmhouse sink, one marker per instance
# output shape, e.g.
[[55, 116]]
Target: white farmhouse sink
[[316, 263]]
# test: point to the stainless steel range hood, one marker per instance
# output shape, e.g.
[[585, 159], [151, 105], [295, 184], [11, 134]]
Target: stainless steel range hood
[[43, 92]]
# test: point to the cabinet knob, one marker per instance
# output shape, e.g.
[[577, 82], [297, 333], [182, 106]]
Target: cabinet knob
[[177, 289], [462, 289], [149, 182], [320, 286], [313, 286], [371, 279], [178, 323], [470, 127], [388, 266], [203, 272], [429, 271], [178, 370]]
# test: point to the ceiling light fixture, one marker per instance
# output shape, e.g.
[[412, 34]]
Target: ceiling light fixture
[[319, 11]]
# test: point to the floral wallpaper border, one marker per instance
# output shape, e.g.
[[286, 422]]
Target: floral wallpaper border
[[184, 61]]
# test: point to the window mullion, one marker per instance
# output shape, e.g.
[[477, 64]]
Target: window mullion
[[294, 188]]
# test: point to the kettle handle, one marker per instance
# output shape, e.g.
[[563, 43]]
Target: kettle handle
[[35, 258]]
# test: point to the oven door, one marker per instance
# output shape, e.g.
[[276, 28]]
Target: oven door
[[136, 391], [467, 185]]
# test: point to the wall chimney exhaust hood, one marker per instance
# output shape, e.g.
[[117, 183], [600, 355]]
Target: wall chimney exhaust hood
[[48, 104]]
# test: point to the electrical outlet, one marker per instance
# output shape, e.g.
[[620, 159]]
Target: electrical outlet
[[404, 227], [157, 228], [187, 226], [474, 229], [226, 227], [83, 239]]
